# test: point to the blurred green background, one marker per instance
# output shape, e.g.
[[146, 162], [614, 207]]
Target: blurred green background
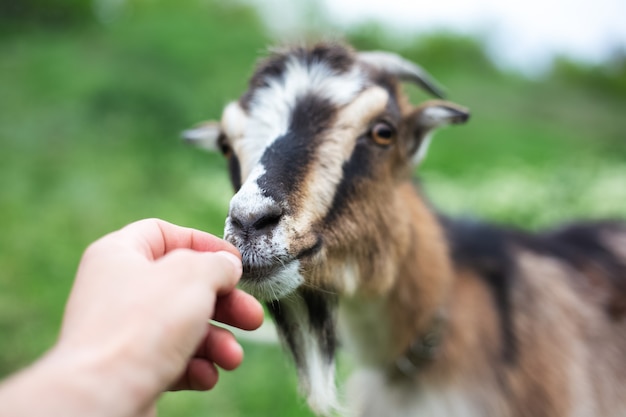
[[92, 100]]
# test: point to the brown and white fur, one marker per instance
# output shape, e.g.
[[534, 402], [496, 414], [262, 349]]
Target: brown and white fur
[[444, 317]]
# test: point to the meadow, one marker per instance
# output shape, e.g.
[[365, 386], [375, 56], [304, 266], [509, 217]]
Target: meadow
[[90, 115]]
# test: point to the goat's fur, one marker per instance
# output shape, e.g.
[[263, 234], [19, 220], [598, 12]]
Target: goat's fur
[[342, 246]]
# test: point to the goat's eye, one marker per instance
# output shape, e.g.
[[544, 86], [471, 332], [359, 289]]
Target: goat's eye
[[383, 134]]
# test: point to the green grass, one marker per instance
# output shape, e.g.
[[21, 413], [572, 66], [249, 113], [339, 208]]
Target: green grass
[[264, 386], [89, 121]]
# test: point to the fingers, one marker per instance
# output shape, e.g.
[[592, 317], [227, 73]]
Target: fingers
[[219, 348], [220, 271], [199, 375], [155, 238], [225, 271], [239, 309]]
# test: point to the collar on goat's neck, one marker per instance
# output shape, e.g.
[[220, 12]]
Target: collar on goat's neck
[[422, 351]]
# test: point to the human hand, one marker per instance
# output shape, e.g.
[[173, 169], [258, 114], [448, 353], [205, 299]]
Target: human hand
[[141, 303]]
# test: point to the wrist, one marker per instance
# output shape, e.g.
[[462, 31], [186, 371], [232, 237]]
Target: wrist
[[68, 382]]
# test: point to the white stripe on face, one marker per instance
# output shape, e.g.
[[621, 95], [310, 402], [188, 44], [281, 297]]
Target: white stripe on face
[[271, 106], [352, 121], [249, 202]]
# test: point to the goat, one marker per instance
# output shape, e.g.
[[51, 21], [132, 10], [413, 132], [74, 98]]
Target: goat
[[443, 316]]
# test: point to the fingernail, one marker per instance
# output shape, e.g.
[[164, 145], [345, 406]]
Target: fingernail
[[231, 258]]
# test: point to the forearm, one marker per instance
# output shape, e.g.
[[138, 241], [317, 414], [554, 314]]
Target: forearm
[[63, 386]]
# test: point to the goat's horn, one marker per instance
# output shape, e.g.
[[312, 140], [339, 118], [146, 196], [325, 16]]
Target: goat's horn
[[403, 69]]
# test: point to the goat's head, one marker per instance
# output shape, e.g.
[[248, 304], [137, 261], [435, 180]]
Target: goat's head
[[315, 147], [318, 148]]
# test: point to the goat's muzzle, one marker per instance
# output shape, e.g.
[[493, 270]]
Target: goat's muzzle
[[257, 226]]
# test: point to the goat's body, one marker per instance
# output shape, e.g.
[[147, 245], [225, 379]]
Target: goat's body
[[445, 317], [533, 327], [407, 399]]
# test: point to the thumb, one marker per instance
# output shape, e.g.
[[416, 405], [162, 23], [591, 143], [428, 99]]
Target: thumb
[[230, 263], [219, 271]]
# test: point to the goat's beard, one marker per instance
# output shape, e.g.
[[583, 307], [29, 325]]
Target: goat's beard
[[275, 284], [306, 323], [305, 319]]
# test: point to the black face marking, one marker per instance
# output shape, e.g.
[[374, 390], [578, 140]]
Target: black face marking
[[358, 167], [287, 158], [485, 249], [234, 171]]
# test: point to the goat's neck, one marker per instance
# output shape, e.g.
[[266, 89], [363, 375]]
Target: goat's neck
[[380, 326]]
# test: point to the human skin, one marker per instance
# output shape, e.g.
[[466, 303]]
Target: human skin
[[136, 324]]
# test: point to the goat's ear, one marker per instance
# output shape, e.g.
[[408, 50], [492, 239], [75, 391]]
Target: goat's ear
[[205, 135], [426, 118]]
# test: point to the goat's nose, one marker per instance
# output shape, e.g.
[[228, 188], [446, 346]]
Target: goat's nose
[[257, 221]]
